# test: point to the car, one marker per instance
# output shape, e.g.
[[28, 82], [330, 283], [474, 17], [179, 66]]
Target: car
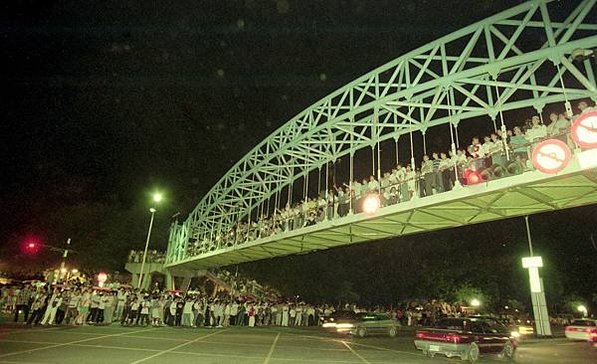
[[362, 324], [329, 322], [467, 338], [582, 329]]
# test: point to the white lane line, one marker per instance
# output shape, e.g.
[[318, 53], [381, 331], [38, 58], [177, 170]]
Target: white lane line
[[355, 353], [271, 350], [71, 343], [81, 345], [177, 347], [386, 349], [23, 329]]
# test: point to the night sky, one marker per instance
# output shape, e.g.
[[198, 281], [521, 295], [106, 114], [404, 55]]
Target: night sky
[[107, 101]]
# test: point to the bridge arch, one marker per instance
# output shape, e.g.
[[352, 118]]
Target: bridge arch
[[516, 59]]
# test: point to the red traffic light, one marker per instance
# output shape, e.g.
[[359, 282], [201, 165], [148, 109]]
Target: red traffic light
[[31, 244], [472, 177]]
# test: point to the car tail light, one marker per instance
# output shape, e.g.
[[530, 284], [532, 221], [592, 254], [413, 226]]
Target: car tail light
[[593, 333], [570, 328], [453, 338]]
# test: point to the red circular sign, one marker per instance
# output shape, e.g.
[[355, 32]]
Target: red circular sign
[[551, 156], [584, 130]]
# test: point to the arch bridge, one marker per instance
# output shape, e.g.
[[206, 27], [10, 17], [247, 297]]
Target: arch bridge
[[532, 55]]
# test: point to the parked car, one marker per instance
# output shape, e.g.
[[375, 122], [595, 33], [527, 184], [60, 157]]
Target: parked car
[[467, 338]]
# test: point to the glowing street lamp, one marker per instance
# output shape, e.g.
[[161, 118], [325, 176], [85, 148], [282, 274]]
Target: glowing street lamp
[[582, 309], [102, 278], [371, 204], [475, 302], [157, 197]]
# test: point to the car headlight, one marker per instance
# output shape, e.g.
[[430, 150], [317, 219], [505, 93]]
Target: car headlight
[[515, 334], [344, 326], [328, 324]]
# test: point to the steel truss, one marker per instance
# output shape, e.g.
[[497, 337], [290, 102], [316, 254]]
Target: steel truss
[[516, 59]]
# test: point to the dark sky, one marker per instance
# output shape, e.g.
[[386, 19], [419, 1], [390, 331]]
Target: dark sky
[[108, 100]]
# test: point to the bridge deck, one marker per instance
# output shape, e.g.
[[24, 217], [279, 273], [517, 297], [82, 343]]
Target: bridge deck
[[528, 193]]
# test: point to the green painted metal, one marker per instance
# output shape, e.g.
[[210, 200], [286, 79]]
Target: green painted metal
[[516, 59]]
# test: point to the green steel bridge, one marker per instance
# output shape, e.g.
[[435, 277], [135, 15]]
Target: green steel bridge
[[526, 57]]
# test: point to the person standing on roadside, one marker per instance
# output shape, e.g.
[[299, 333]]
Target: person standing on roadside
[[22, 304]]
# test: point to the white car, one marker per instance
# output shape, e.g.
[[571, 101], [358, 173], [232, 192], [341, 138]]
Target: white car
[[585, 330]]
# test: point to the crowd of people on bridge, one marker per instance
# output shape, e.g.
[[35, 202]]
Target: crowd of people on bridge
[[498, 155], [153, 256], [239, 284]]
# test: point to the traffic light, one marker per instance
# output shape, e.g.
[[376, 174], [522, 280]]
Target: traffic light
[[31, 244], [472, 177]]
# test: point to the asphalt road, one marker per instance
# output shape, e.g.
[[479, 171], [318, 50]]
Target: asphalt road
[[135, 345]]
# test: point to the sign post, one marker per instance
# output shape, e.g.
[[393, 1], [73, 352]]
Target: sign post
[[533, 263]]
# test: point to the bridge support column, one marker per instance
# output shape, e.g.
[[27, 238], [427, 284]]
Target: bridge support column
[[135, 281], [169, 284]]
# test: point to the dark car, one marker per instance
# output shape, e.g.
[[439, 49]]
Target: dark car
[[467, 338], [330, 321]]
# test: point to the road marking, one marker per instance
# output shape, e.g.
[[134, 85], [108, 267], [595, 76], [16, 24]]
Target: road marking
[[177, 347], [355, 353], [24, 329], [271, 350], [71, 343], [386, 349]]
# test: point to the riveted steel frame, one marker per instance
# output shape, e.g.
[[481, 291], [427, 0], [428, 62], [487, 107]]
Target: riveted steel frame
[[516, 59]]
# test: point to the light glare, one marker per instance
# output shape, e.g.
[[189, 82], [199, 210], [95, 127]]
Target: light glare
[[371, 204], [157, 197]]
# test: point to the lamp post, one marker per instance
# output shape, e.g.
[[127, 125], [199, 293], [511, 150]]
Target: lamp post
[[156, 199]]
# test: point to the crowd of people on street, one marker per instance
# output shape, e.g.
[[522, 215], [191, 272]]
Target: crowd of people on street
[[36, 303], [501, 154]]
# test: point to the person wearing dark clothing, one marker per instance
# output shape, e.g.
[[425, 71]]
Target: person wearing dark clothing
[[179, 309], [22, 304]]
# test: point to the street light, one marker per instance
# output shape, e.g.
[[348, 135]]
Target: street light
[[475, 302], [582, 309], [157, 197]]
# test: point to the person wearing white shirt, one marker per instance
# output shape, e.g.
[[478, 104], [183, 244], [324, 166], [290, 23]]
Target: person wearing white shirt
[[53, 304], [285, 310], [144, 312], [227, 310], [537, 131], [187, 313]]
